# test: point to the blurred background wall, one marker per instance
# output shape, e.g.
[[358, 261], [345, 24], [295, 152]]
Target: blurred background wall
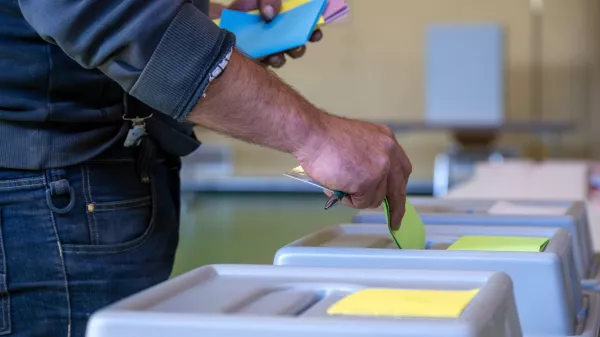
[[370, 66]]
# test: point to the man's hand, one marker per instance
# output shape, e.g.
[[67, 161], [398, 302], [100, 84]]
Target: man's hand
[[250, 103], [360, 158], [268, 9]]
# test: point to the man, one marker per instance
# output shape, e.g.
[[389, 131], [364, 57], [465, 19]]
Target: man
[[89, 202]]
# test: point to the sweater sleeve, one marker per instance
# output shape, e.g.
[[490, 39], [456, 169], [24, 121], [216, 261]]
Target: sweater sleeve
[[160, 51]]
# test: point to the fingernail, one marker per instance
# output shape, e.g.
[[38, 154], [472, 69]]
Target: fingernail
[[269, 12]]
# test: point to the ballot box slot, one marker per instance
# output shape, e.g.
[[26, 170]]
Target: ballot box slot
[[379, 241], [279, 302]]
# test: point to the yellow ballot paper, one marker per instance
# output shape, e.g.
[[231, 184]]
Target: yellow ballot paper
[[285, 6], [500, 243], [404, 303]]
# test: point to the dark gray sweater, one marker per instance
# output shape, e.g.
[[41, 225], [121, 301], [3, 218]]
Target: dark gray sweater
[[65, 66]]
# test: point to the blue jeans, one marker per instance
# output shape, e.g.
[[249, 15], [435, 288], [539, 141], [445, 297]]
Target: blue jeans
[[74, 240]]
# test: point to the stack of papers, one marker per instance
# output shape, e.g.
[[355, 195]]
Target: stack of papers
[[290, 29]]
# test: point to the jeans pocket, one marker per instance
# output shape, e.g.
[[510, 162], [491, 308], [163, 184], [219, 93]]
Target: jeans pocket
[[119, 208], [119, 222]]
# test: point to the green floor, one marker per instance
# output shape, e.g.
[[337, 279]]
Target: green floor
[[247, 228]]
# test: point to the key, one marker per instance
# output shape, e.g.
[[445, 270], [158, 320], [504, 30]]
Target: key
[[136, 133]]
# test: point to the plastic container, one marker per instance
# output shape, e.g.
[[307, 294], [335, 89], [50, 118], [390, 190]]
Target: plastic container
[[272, 301], [547, 287], [570, 215]]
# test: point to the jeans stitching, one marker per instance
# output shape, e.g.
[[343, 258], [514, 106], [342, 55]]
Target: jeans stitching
[[6, 316], [125, 204], [95, 233], [124, 207], [9, 188], [64, 271], [22, 180], [62, 262], [85, 197]]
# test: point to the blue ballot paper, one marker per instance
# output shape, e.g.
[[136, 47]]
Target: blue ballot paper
[[290, 29]]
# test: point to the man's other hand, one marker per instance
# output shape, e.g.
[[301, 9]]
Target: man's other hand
[[268, 9]]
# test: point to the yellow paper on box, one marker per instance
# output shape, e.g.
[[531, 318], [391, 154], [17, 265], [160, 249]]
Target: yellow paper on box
[[285, 6], [404, 303], [500, 243]]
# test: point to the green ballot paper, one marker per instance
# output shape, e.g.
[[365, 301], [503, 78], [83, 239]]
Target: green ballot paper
[[411, 234]]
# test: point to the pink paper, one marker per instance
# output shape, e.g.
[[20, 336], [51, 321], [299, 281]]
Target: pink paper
[[337, 15], [335, 9]]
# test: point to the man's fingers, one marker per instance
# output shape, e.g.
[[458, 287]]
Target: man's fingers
[[269, 8], [215, 10], [345, 201], [397, 181], [244, 5], [396, 194], [405, 164], [275, 60], [397, 203], [372, 199], [297, 52], [316, 36], [380, 193]]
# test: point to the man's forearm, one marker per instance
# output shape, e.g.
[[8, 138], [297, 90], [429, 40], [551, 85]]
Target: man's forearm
[[250, 103]]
